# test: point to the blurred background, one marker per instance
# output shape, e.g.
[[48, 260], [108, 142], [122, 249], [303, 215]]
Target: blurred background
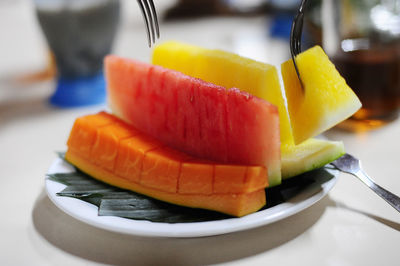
[[48, 46]]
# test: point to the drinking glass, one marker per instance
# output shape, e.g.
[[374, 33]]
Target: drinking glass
[[79, 33]]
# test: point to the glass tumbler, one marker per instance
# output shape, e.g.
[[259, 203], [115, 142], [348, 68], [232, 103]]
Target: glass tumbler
[[79, 33]]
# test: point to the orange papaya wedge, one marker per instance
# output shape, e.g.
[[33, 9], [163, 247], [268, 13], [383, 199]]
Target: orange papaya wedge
[[116, 153]]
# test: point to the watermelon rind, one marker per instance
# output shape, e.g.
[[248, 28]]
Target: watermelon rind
[[309, 155]]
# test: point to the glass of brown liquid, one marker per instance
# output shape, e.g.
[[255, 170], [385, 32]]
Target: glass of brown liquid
[[363, 40], [373, 72]]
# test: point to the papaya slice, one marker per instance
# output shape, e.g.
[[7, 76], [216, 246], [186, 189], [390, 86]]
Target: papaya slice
[[120, 155]]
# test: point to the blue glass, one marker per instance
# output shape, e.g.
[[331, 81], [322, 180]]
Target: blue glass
[[80, 34], [80, 91]]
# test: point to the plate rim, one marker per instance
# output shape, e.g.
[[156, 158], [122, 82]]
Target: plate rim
[[177, 230]]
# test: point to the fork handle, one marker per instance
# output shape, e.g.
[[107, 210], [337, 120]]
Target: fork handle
[[388, 196]]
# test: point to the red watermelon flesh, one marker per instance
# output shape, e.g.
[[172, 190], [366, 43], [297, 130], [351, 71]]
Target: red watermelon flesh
[[197, 117]]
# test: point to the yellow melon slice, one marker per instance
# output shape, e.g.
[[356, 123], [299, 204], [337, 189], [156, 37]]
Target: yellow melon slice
[[326, 99]]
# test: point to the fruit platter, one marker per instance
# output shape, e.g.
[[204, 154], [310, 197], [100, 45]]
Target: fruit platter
[[205, 132]]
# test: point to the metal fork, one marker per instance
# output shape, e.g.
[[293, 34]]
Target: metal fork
[[349, 164], [150, 19], [295, 37]]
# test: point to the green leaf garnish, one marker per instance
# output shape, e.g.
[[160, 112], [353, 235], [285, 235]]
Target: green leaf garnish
[[113, 201], [61, 154]]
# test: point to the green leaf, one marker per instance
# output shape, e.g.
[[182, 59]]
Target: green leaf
[[61, 154], [113, 201]]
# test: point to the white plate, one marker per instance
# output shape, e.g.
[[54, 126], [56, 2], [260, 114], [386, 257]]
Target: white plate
[[87, 212]]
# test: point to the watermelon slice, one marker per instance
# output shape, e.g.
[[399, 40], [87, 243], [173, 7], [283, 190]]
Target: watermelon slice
[[194, 116], [227, 70]]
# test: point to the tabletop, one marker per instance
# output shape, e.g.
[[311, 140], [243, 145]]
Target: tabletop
[[350, 226]]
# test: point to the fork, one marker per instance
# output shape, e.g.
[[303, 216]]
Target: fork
[[347, 163], [295, 37], [150, 19], [351, 165]]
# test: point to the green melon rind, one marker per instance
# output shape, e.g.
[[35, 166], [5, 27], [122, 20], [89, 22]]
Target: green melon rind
[[274, 174], [309, 155]]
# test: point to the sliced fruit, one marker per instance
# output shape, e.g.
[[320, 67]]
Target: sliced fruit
[[197, 117], [326, 99], [230, 70], [85, 132], [124, 157], [227, 70], [309, 155]]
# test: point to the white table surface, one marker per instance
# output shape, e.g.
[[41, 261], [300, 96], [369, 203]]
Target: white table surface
[[351, 226]]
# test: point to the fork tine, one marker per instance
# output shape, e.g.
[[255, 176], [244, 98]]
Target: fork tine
[[150, 18], [296, 30], [295, 37], [155, 18], [146, 20], [347, 163]]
